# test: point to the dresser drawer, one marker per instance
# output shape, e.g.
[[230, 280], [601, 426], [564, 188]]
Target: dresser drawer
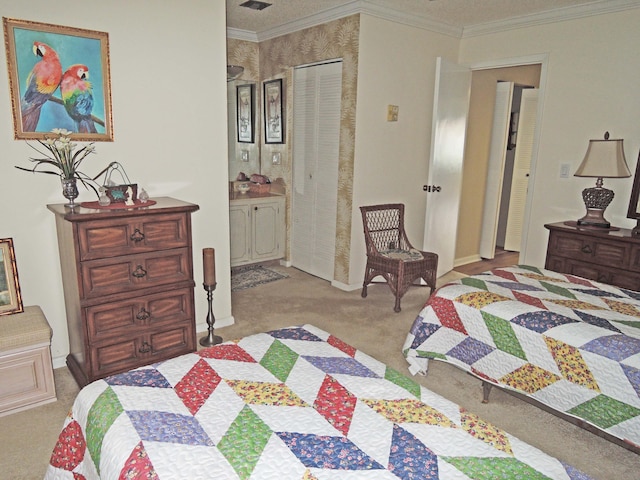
[[135, 272], [118, 355], [130, 235], [148, 311], [589, 249], [602, 274]]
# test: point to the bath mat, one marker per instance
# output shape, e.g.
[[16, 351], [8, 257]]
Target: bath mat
[[251, 276]]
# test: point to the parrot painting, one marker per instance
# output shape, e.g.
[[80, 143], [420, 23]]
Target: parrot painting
[[42, 81], [77, 96]]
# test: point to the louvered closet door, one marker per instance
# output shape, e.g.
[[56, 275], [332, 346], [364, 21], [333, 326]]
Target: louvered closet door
[[316, 137], [522, 167]]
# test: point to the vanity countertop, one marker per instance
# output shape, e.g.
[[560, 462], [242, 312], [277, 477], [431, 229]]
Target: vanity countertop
[[251, 195]]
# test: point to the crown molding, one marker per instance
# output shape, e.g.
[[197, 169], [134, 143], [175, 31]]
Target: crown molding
[[238, 34], [551, 16], [379, 10], [351, 8], [384, 12]]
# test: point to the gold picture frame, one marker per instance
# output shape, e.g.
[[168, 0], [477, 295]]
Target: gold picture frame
[[10, 297], [59, 78]]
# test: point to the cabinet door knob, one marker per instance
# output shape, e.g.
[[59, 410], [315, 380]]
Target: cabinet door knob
[[586, 249], [144, 348], [137, 236], [143, 314], [139, 272]]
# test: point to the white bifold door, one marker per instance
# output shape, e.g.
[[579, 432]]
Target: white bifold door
[[316, 139]]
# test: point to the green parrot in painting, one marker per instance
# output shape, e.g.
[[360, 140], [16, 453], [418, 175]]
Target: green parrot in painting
[[77, 96]]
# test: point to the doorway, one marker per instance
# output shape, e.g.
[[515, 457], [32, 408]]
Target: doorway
[[528, 71], [507, 181]]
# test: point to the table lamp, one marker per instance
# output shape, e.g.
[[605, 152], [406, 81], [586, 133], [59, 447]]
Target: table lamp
[[604, 159]]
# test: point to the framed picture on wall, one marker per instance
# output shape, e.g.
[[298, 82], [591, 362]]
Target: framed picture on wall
[[273, 112], [58, 79], [10, 298], [245, 115]]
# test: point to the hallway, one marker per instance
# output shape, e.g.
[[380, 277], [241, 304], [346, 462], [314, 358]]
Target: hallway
[[503, 258]]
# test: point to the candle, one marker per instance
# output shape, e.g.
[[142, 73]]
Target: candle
[[209, 265]]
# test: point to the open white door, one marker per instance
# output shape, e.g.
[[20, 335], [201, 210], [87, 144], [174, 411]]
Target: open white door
[[450, 110], [521, 169], [495, 170]]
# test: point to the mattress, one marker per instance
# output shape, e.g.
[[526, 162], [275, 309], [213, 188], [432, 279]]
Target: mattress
[[294, 403], [567, 342]]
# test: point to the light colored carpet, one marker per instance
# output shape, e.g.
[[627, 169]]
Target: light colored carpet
[[369, 324]]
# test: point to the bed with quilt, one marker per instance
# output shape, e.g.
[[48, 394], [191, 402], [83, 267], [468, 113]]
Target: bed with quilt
[[294, 403], [565, 343]]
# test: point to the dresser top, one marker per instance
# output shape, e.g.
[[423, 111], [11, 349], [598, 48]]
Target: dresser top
[[162, 205], [613, 233]]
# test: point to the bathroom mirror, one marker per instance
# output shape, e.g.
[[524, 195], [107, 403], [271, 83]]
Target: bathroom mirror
[[244, 154]]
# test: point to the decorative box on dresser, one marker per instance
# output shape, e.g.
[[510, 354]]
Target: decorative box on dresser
[[128, 285], [606, 255]]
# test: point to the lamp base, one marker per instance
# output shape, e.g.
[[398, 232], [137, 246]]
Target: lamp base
[[594, 218]]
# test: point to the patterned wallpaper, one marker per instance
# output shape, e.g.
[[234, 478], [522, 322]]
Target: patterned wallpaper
[[275, 58]]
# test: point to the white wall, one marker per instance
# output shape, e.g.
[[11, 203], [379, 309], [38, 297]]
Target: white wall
[[591, 87], [397, 67], [168, 82]]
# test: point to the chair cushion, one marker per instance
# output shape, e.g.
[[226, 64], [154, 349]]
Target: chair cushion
[[404, 255]]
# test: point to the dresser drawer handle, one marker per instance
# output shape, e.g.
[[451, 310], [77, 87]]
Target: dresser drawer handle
[[143, 314], [586, 249], [139, 272], [145, 348], [137, 236]]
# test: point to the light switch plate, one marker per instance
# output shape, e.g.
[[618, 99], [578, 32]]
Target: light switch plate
[[392, 113], [275, 158], [245, 155]]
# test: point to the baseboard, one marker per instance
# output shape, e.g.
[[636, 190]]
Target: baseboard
[[466, 260], [346, 287]]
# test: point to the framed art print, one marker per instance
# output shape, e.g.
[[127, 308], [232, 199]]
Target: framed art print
[[273, 112], [244, 94], [58, 79], [10, 298]]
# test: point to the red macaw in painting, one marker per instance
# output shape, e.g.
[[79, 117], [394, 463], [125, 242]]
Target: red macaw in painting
[[77, 96], [42, 81]]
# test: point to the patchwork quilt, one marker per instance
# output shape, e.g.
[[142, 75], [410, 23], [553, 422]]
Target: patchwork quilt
[[570, 343], [295, 403]]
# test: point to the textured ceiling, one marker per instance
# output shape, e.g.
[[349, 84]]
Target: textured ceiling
[[458, 13]]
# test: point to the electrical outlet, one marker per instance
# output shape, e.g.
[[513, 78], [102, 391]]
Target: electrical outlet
[[245, 155], [275, 158]]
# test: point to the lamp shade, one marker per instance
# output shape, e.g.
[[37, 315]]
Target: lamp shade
[[604, 159]]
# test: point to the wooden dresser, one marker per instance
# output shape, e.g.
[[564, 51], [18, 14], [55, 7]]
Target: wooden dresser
[[607, 256], [128, 285]]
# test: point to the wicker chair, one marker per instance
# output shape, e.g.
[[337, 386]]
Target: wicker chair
[[391, 255]]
